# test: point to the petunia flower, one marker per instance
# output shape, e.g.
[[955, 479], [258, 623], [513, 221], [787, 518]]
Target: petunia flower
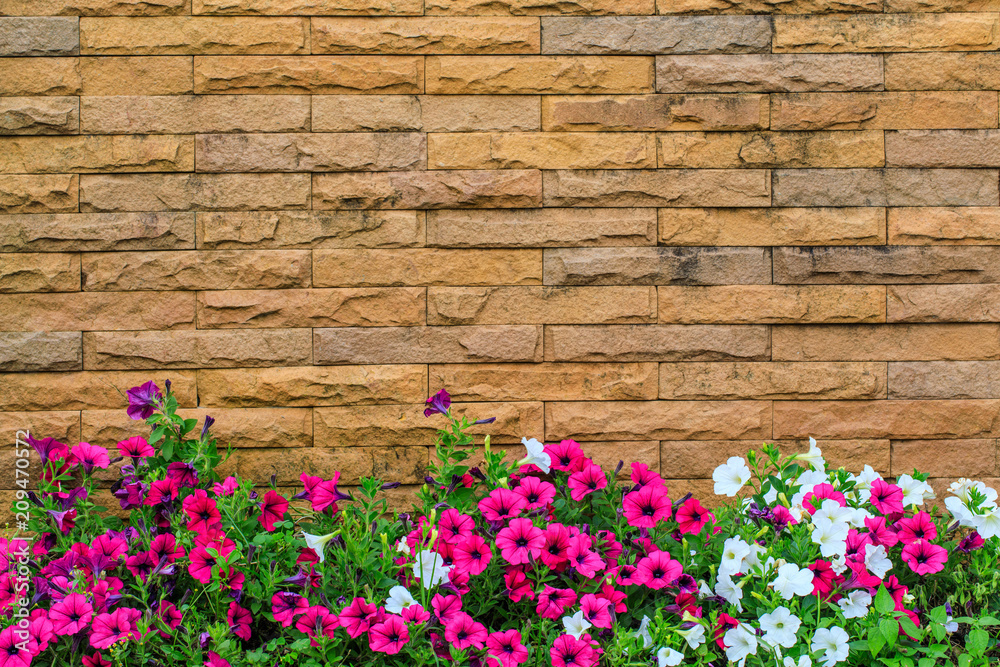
[[136, 448], [239, 620], [517, 583], [536, 455], [390, 636], [48, 449], [227, 487], [887, 498], [272, 510], [95, 660], [472, 555], [730, 477], [780, 627], [119, 625], [285, 606], [917, 527], [183, 474], [446, 606], [553, 602], [398, 600], [536, 492], [668, 657], [71, 614], [162, 492], [565, 456], [792, 581], [647, 506], [430, 569], [317, 621], [462, 631], [202, 512], [833, 642], [216, 660], [855, 604], [142, 400], [453, 526], [357, 617], [741, 643], [555, 551], [568, 651], [89, 456], [520, 542], [924, 558], [586, 481], [439, 403], [576, 625], [596, 610], [506, 648], [170, 615], [502, 504]]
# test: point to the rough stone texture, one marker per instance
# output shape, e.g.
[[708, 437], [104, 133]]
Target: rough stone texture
[[657, 343], [136, 75], [771, 226], [944, 303], [39, 115], [430, 113], [39, 272], [186, 192], [193, 35], [554, 75], [768, 73], [887, 419], [93, 154], [92, 7], [943, 148], [39, 36], [353, 151], [740, 380], [658, 420], [38, 194], [24, 77], [428, 189], [427, 345], [426, 266], [539, 7], [45, 232], [555, 150], [944, 379], [542, 228], [407, 465], [540, 305], [767, 6], [127, 350], [87, 390], [947, 458], [864, 33], [710, 150], [308, 74], [886, 187], [547, 382], [657, 266], [654, 112], [942, 71], [883, 111], [308, 7], [886, 342], [310, 229], [668, 187], [40, 351], [657, 34], [187, 114], [85, 311], [425, 35], [64, 426], [887, 264], [966, 225], [771, 304]]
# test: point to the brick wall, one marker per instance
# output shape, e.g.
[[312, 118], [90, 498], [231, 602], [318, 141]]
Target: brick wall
[[668, 231]]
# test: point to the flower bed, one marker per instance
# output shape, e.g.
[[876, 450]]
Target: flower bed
[[550, 560]]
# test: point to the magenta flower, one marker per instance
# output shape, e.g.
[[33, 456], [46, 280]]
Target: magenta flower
[[137, 448], [165, 546], [48, 449], [553, 602], [227, 488], [453, 526], [170, 615], [647, 506], [216, 660], [140, 565], [162, 492], [202, 512], [119, 625], [183, 474], [887, 498], [596, 610], [446, 607], [472, 555], [692, 517], [71, 614], [517, 583], [322, 494], [971, 542], [89, 456], [502, 504], [131, 496], [565, 456], [643, 475], [570, 652], [924, 558], [555, 551], [95, 661], [584, 482], [14, 652], [239, 620], [520, 541], [142, 400], [415, 613], [536, 492], [272, 510], [583, 558], [918, 527], [388, 637], [507, 648], [317, 621], [879, 533], [286, 606], [814, 499], [462, 631], [439, 403], [658, 570], [356, 617]]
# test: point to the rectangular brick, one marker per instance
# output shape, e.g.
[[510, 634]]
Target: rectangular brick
[[37, 193], [188, 114], [308, 74], [542, 227], [699, 458], [658, 420], [886, 187], [39, 36], [348, 151], [268, 309], [73, 232], [430, 113], [552, 75], [426, 266], [967, 225], [89, 154], [657, 34], [124, 350], [930, 110], [592, 113], [397, 464], [92, 7], [309, 7], [546, 150], [188, 35], [944, 379], [942, 6], [771, 304], [942, 71], [64, 426], [540, 305], [199, 270], [647, 342], [427, 345], [547, 382], [136, 75], [426, 35], [87, 390], [82, 311], [943, 148], [946, 458], [310, 229], [771, 226], [873, 33], [779, 379], [39, 115], [944, 303], [887, 264], [765, 73], [887, 419], [23, 77], [311, 385], [538, 7], [710, 150], [766, 7], [406, 426], [186, 192], [668, 187], [886, 342], [40, 351], [428, 189], [658, 266], [39, 272]]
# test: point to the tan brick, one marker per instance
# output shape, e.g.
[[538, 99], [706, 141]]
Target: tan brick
[[654, 112], [426, 266], [887, 264], [431, 113], [656, 420], [188, 114], [643, 342], [308, 74], [668, 187], [538, 7], [390, 464], [200, 270], [311, 229], [136, 75], [39, 194], [88, 390], [965, 225], [385, 306], [47, 232], [548, 150], [777, 73], [88, 154], [943, 148], [771, 149], [554, 75], [425, 35], [608, 455], [766, 6], [547, 382], [309, 7], [886, 419], [405, 425], [81, 311], [540, 305], [944, 379], [366, 113], [657, 266], [92, 7], [423, 189], [942, 6], [188, 35], [942, 71], [121, 350], [185, 192], [39, 36], [40, 351], [946, 458], [771, 304], [892, 342], [430, 345], [39, 76], [39, 115], [886, 187], [883, 111], [944, 303], [64, 426], [312, 385], [347, 151], [844, 380], [39, 272], [535, 228], [239, 427], [771, 226], [657, 34], [889, 32]]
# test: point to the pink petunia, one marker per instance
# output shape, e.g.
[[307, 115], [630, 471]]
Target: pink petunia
[[583, 558], [555, 551], [202, 512], [565, 456], [879, 533], [136, 448], [89, 457], [453, 526], [165, 546], [536, 492], [183, 474], [388, 637], [416, 614], [14, 650], [141, 565], [647, 506], [692, 517], [272, 510], [918, 527], [887, 498], [924, 558], [568, 651], [518, 585], [95, 661], [597, 610], [502, 504], [472, 555], [643, 475], [446, 607], [170, 615], [119, 625], [216, 660], [553, 602], [506, 648], [317, 621], [162, 492], [463, 631], [658, 570], [586, 481], [520, 541], [814, 499], [357, 617], [239, 620], [142, 400], [615, 597], [71, 614], [286, 606], [227, 487]]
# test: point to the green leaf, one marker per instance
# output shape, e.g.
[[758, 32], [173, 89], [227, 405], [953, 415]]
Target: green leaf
[[884, 604], [189, 425], [875, 642], [909, 627], [964, 660], [167, 451], [977, 642], [889, 629]]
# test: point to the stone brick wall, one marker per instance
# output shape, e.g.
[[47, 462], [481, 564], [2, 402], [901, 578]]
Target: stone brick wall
[[668, 229]]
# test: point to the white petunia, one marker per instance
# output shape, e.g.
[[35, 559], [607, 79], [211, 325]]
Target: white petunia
[[402, 547], [876, 561], [831, 537], [318, 542], [914, 490], [832, 643], [726, 588], [958, 508], [857, 517], [733, 552], [792, 581], [430, 569], [668, 657], [694, 636], [730, 477], [813, 458], [856, 604], [643, 632], [752, 560], [804, 661], [987, 524], [740, 642], [576, 624], [536, 455], [780, 627], [831, 510], [398, 600]]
